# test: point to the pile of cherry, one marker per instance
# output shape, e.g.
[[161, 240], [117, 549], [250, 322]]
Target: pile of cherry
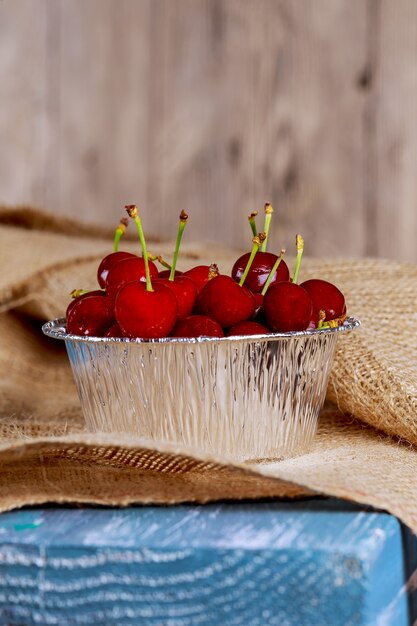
[[136, 300]]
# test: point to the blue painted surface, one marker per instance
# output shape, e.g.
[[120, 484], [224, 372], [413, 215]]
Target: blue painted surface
[[229, 564]]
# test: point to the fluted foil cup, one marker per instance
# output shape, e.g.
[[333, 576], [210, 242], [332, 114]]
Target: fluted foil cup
[[245, 398]]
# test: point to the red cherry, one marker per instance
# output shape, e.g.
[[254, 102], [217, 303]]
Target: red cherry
[[114, 331], [167, 273], [107, 263], [314, 321], [197, 326], [91, 316], [95, 292], [225, 301], [287, 307], [201, 274], [248, 328], [259, 298], [185, 292], [259, 271], [127, 271], [325, 296], [143, 313]]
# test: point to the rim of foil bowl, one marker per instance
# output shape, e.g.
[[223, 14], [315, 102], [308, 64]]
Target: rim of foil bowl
[[57, 329]]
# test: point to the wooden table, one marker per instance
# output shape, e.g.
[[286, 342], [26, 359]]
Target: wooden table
[[315, 562]]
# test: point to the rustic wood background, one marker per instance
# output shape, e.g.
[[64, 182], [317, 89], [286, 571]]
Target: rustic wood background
[[216, 106]]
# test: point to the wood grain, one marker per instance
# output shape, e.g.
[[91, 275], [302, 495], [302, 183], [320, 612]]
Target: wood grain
[[102, 117], [396, 148], [24, 120], [216, 106], [234, 564]]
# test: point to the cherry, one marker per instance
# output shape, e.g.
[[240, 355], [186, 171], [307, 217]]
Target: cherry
[[201, 274], [108, 262], [260, 262], [114, 257], [248, 328], [197, 326], [260, 270], [90, 316], [287, 307], [325, 296], [259, 298], [114, 331], [127, 271], [314, 321], [167, 273], [144, 313], [141, 309], [185, 292], [225, 301], [78, 294]]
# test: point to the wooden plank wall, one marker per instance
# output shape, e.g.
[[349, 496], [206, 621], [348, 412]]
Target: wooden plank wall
[[216, 106]]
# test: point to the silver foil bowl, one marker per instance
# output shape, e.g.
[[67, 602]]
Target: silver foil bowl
[[246, 398]]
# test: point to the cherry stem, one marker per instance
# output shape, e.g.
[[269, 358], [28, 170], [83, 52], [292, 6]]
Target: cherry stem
[[252, 222], [272, 272], [183, 221], [268, 216], [75, 293], [334, 323], [120, 230], [322, 318], [299, 241], [133, 212], [213, 271], [160, 260], [257, 242]]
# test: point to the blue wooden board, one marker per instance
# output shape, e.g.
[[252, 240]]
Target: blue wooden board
[[286, 564]]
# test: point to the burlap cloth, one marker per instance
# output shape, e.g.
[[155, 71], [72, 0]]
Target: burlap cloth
[[364, 449]]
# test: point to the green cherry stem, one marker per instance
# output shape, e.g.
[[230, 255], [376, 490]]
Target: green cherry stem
[[252, 222], [299, 242], [268, 216], [163, 262], [133, 212], [272, 272], [183, 221], [160, 260], [120, 230], [257, 242]]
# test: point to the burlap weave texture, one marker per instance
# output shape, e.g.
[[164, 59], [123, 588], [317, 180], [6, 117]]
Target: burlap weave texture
[[364, 450]]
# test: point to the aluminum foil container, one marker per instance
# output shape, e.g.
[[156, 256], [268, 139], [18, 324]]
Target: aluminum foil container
[[246, 398]]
